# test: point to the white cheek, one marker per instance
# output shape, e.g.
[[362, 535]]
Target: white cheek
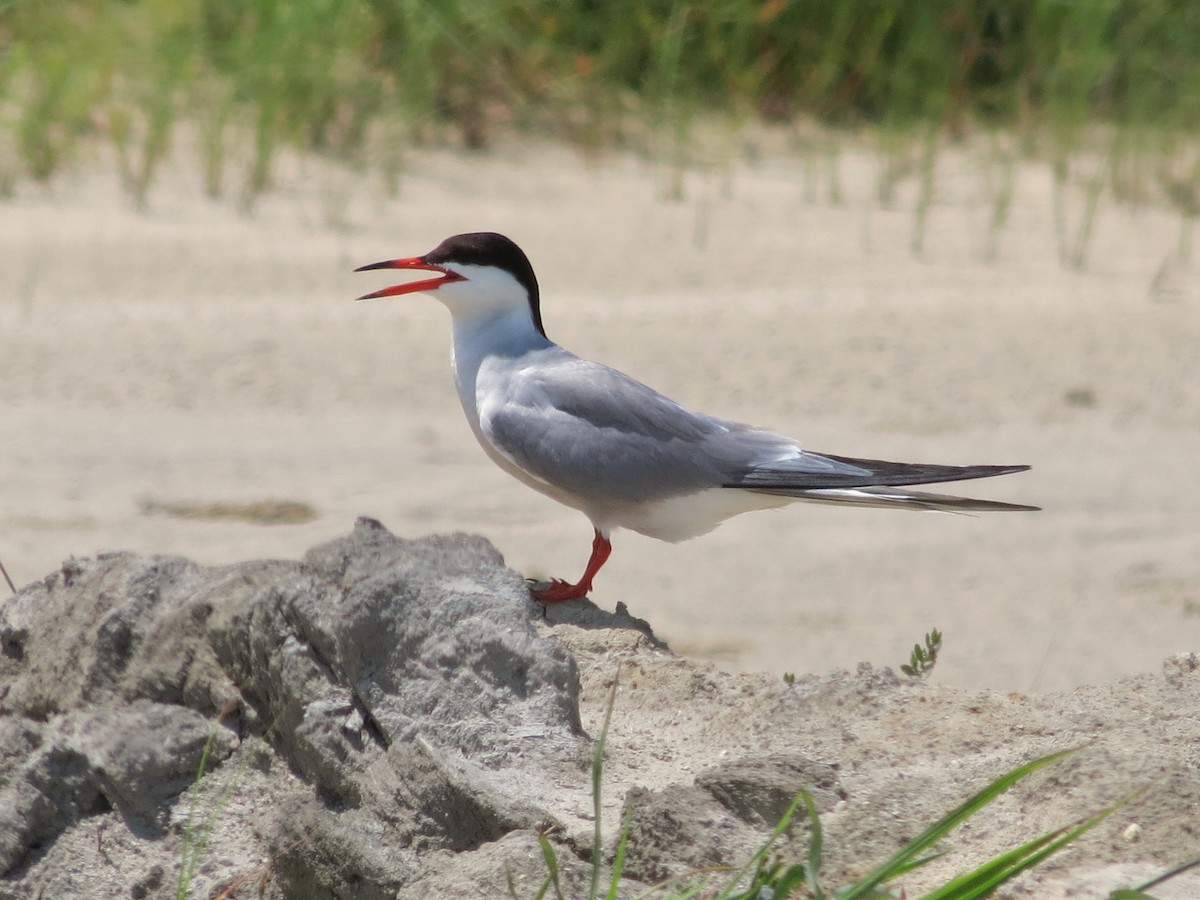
[[484, 290]]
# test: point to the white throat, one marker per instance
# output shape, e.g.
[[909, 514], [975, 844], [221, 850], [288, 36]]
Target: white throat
[[481, 337]]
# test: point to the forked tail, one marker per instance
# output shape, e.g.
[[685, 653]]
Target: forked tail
[[825, 478]]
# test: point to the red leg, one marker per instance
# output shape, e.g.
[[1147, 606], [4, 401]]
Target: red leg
[[559, 590]]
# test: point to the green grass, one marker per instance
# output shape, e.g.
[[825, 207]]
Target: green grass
[[358, 81], [198, 828]]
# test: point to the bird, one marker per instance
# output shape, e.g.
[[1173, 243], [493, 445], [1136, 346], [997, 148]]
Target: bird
[[607, 445]]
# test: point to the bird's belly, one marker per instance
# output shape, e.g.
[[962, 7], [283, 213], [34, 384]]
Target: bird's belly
[[691, 515]]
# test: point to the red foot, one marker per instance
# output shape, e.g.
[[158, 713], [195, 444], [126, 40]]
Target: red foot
[[558, 590]]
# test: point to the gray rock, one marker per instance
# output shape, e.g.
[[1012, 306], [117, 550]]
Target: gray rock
[[681, 830], [485, 873], [759, 790], [378, 700]]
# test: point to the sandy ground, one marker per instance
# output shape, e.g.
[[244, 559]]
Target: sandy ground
[[191, 354]]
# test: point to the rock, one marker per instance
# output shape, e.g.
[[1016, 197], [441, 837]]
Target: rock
[[759, 790], [723, 818], [484, 873], [133, 758], [682, 829], [145, 754], [50, 787], [1179, 667], [349, 855], [392, 718], [378, 700]]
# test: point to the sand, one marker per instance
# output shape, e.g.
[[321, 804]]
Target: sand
[[192, 354]]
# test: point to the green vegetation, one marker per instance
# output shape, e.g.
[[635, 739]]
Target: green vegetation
[[923, 659], [1107, 93], [261, 512], [196, 830], [1138, 892]]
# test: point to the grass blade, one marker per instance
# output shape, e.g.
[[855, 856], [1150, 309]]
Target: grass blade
[[1138, 891], [816, 840], [793, 877], [619, 858], [901, 861], [551, 866], [597, 773], [979, 882], [193, 846]]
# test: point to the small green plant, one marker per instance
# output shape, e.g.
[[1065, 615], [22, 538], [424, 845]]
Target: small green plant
[[923, 659], [552, 879], [789, 678], [597, 772], [196, 833]]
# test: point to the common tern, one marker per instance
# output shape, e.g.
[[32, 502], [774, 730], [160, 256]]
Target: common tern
[[609, 446]]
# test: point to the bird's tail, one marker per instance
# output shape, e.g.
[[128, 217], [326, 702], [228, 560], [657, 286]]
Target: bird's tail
[[825, 478], [900, 498]]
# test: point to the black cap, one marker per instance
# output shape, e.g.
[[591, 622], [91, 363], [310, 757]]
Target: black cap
[[487, 248]]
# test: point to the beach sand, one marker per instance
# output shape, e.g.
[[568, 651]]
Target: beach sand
[[194, 355]]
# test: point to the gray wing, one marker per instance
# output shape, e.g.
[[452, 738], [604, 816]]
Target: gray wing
[[595, 432]]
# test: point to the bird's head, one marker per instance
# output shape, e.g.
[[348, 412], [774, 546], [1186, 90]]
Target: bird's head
[[480, 272]]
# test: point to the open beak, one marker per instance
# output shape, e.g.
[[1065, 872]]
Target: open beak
[[412, 262]]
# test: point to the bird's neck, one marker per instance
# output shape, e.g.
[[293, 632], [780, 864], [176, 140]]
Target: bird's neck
[[491, 335]]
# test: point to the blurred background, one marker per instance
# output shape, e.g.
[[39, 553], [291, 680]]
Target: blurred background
[[955, 232], [1112, 87]]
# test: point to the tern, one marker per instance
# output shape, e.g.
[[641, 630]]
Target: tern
[[607, 445]]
